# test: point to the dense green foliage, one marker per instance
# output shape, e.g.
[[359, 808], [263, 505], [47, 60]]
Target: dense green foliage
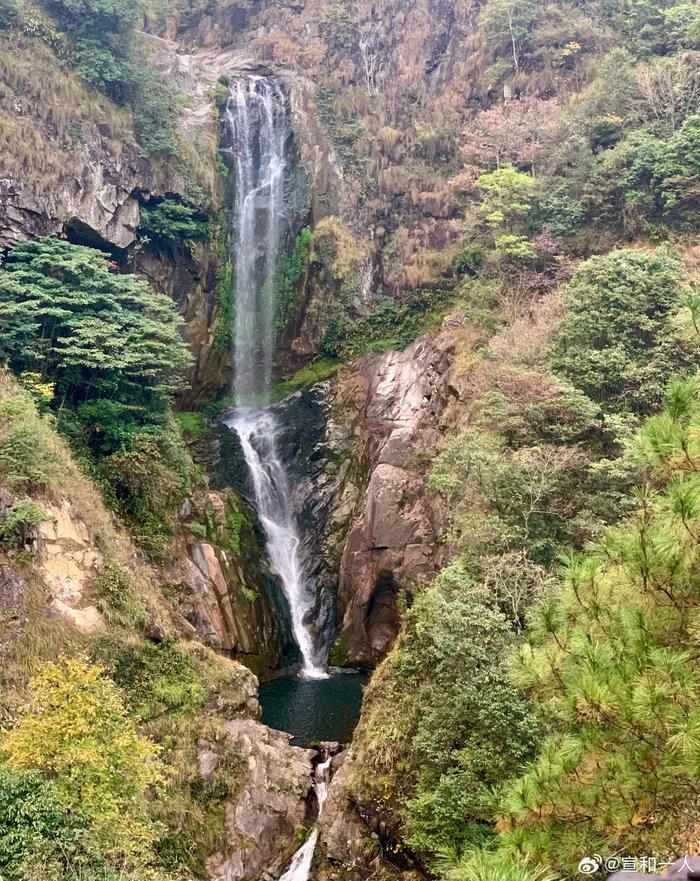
[[94, 333], [389, 325], [167, 690], [446, 723], [101, 32], [18, 522], [40, 838], [106, 52], [291, 269], [111, 350], [536, 475], [171, 221], [616, 343], [223, 330], [611, 659]]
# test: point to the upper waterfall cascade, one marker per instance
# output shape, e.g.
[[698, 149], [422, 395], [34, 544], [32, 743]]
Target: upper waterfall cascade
[[256, 114]]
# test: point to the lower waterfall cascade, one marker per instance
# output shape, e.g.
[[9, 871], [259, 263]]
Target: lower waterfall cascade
[[300, 865], [256, 115]]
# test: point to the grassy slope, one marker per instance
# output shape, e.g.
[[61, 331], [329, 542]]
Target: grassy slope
[[171, 685]]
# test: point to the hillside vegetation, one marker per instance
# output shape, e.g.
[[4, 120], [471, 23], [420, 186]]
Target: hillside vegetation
[[529, 170], [539, 704]]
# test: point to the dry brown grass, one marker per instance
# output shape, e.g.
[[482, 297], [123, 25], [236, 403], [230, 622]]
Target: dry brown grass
[[49, 119]]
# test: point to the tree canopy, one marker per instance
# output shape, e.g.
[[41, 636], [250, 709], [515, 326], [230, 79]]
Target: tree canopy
[[76, 731], [98, 335], [617, 343]]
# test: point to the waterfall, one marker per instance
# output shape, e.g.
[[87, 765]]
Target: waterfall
[[256, 115], [300, 865]]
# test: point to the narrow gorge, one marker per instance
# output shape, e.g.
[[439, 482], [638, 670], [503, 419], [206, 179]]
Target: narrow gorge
[[257, 115], [349, 407]]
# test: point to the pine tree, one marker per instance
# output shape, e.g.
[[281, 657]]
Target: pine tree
[[611, 660]]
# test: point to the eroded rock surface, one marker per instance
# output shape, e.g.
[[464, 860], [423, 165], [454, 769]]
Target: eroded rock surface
[[220, 581], [67, 561], [270, 806], [360, 446], [391, 542]]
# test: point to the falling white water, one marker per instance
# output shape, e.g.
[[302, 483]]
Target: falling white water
[[300, 865], [257, 118], [257, 430]]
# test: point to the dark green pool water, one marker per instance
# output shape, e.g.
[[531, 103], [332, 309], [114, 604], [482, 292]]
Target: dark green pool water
[[313, 709]]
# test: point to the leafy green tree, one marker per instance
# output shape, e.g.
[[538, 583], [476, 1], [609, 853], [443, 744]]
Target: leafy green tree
[[647, 26], [559, 213], [40, 838], [506, 196], [500, 499], [155, 106], [112, 351], [677, 174], [618, 343], [506, 201], [102, 34], [96, 334], [438, 698], [507, 26], [106, 52], [75, 730], [606, 105], [172, 221]]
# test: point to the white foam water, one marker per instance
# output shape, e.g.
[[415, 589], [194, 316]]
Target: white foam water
[[256, 114], [300, 865]]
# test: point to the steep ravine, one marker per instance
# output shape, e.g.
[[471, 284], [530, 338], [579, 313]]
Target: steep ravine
[[356, 446]]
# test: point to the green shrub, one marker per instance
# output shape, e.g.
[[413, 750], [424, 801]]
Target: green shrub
[[171, 221], [76, 730], [19, 520], [441, 695], [236, 521], [610, 661], [501, 500], [29, 460], [117, 598], [617, 342], [146, 485], [155, 106], [40, 838], [225, 318], [559, 213], [156, 679], [290, 269], [106, 52], [192, 423], [310, 374], [390, 325], [486, 865]]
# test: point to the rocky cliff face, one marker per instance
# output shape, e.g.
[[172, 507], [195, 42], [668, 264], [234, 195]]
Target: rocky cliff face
[[220, 582], [360, 446], [75, 584], [270, 805]]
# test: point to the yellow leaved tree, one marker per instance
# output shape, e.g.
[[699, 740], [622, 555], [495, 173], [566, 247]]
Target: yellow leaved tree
[[76, 731]]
